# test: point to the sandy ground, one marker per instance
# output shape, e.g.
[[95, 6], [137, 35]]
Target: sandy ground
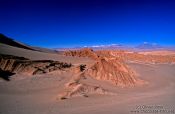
[[37, 94]]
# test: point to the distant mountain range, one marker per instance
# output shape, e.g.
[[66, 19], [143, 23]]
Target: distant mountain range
[[99, 47], [110, 46], [147, 45], [144, 46]]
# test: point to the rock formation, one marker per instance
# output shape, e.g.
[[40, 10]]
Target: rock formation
[[80, 89], [86, 52], [77, 88], [114, 71], [108, 68], [30, 67]]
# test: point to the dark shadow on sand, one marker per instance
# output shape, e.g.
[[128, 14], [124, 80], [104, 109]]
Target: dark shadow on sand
[[6, 75]]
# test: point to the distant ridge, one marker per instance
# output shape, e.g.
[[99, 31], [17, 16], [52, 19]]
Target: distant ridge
[[147, 45], [9, 41], [99, 47]]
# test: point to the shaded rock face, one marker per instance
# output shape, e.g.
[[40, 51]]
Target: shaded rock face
[[22, 65], [6, 75], [109, 68]]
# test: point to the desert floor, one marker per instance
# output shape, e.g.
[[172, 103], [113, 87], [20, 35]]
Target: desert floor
[[38, 94]]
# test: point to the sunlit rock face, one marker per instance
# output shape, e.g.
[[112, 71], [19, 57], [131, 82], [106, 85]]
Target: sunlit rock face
[[30, 67], [114, 71], [86, 52], [108, 68]]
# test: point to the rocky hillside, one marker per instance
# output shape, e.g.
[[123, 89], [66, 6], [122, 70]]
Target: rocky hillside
[[114, 71], [86, 52], [22, 65], [108, 68]]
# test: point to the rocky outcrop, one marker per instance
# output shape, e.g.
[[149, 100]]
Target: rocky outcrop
[[114, 71], [30, 67], [80, 89], [76, 88], [109, 68], [86, 52], [106, 67]]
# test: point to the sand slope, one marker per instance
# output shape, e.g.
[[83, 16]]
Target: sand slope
[[37, 95], [36, 55]]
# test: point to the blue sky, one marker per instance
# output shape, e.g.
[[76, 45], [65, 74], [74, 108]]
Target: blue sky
[[68, 23]]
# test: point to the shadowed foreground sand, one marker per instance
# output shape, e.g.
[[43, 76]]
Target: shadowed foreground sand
[[37, 95]]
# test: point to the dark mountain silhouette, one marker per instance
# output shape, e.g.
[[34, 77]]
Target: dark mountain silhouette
[[9, 41]]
